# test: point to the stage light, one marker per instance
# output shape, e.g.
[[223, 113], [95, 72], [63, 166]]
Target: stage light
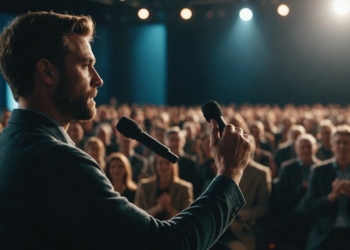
[[143, 14], [246, 14], [283, 10], [186, 13], [342, 7]]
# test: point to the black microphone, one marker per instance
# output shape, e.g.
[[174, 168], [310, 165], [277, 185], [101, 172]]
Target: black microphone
[[212, 110], [130, 129]]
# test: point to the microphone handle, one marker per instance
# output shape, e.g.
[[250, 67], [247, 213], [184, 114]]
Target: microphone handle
[[157, 147], [221, 123]]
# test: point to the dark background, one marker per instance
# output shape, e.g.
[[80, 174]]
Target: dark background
[[303, 58]]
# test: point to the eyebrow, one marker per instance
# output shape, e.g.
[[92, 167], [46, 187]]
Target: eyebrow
[[91, 60]]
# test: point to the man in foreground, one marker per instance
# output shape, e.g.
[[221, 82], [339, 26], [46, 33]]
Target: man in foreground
[[55, 196]]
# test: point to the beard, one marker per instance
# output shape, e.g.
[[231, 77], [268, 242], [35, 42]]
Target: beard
[[73, 104]]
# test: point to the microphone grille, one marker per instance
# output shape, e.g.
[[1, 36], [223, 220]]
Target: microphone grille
[[129, 128], [211, 110]]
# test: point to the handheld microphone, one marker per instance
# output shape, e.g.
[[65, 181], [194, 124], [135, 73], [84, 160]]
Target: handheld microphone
[[212, 110], [130, 129]]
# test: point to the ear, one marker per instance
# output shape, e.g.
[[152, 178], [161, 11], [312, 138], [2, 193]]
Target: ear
[[47, 72]]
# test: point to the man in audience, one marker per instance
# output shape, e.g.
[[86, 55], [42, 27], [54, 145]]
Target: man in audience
[[139, 163], [76, 133], [293, 220], [286, 151], [55, 196], [104, 132], [188, 167], [328, 196], [324, 151]]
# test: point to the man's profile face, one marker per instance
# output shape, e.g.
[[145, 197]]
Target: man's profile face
[[79, 82]]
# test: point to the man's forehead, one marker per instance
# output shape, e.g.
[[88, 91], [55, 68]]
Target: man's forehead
[[80, 45]]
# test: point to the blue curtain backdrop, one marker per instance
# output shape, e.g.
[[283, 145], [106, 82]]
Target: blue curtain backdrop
[[147, 64], [6, 99]]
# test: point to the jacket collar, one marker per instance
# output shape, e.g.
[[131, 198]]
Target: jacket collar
[[30, 118]]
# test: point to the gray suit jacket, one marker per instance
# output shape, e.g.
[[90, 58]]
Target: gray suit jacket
[[55, 196]]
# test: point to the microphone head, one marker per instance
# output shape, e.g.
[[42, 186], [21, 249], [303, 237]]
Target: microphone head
[[211, 110], [129, 128]]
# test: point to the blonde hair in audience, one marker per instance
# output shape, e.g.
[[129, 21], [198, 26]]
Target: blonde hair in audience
[[130, 184]]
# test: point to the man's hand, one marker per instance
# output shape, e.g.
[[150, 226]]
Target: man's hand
[[231, 151]]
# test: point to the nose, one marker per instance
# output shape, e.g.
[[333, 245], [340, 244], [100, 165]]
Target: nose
[[96, 80]]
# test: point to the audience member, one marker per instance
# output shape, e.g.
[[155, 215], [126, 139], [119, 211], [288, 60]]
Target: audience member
[[94, 147], [76, 133], [119, 172], [286, 151], [326, 128], [164, 195], [139, 164], [104, 132], [294, 222], [328, 197], [188, 168]]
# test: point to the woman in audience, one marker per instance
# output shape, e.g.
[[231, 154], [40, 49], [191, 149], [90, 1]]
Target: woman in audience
[[164, 195], [96, 149], [118, 171]]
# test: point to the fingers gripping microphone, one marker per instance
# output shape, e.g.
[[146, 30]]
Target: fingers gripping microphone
[[130, 129], [212, 110]]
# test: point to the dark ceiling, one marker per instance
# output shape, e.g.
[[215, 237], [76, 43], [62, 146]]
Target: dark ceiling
[[110, 11]]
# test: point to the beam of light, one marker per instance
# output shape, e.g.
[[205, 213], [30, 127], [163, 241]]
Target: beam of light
[[341, 7], [283, 10], [246, 14], [186, 13], [143, 14]]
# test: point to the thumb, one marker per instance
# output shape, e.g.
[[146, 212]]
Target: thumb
[[214, 136]]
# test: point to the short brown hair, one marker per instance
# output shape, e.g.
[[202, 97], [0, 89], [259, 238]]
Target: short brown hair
[[33, 36]]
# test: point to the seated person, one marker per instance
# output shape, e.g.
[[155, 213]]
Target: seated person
[[118, 171], [293, 220], [164, 195], [95, 148]]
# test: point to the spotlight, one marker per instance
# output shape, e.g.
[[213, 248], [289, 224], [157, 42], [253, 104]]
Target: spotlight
[[283, 10], [246, 14], [143, 14], [342, 7], [186, 13]]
